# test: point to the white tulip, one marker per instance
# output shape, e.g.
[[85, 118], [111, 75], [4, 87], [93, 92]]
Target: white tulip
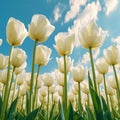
[[0, 42], [99, 78], [110, 90], [91, 36], [60, 91], [3, 61], [52, 89], [102, 66], [111, 55], [28, 78], [69, 64], [16, 32], [78, 73], [23, 90], [21, 69], [85, 87], [18, 57], [48, 79], [64, 43], [71, 96], [40, 82], [42, 55], [43, 91], [112, 82], [21, 78], [40, 28]]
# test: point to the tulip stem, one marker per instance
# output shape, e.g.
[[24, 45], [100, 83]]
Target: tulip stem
[[32, 76], [65, 87], [99, 89], [48, 105], [93, 69], [88, 100], [118, 88], [36, 83], [6, 87], [79, 99], [105, 89]]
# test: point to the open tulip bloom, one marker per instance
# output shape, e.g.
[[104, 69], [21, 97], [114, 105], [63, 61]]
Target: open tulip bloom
[[51, 96]]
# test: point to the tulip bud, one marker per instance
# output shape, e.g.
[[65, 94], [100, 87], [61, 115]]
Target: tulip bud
[[111, 55], [84, 87], [64, 43], [60, 91], [112, 82], [78, 73], [91, 36], [42, 55], [21, 78], [3, 61], [99, 78], [102, 66], [69, 64], [52, 89], [110, 90], [18, 57], [43, 91], [16, 32], [40, 28]]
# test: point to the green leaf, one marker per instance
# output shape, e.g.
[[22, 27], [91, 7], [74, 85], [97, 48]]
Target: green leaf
[[70, 112], [116, 114], [77, 116], [51, 112], [107, 114], [61, 117], [20, 116], [40, 116], [90, 115], [27, 103], [32, 115], [11, 112], [0, 103]]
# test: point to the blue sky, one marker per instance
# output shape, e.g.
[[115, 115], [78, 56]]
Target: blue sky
[[65, 15]]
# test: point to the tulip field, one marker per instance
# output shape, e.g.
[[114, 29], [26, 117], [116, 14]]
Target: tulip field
[[93, 95]]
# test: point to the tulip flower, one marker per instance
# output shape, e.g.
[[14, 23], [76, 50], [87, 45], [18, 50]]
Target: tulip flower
[[42, 55], [39, 30], [17, 54], [3, 61], [91, 36], [69, 64], [112, 56], [64, 43], [0, 42], [16, 32]]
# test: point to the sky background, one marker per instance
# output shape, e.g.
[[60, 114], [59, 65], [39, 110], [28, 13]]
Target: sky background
[[66, 16]]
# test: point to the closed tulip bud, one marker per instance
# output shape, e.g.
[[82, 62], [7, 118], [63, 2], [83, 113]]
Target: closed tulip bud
[[28, 78], [64, 43], [71, 97], [3, 61], [16, 32], [91, 36], [56, 97], [99, 78], [60, 91], [3, 76], [43, 91], [102, 66], [69, 64], [42, 55], [0, 42], [40, 28], [85, 87], [78, 73], [111, 55], [20, 69], [110, 90], [74, 90], [21, 78], [22, 90], [48, 79], [60, 78], [52, 89], [18, 57], [112, 82]]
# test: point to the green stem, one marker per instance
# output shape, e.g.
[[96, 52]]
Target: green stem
[[105, 89], [52, 99], [93, 69], [88, 100], [48, 106], [32, 76], [79, 99], [22, 102], [6, 87], [99, 89], [118, 87], [65, 86], [3, 91], [36, 83]]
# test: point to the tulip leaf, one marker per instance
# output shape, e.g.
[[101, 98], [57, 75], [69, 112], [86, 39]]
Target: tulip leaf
[[11, 112], [70, 112], [61, 117], [51, 112], [20, 116], [40, 116], [0, 103], [90, 115], [32, 115], [107, 114]]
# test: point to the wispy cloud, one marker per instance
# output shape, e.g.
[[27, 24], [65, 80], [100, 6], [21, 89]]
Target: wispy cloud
[[116, 40], [74, 9], [110, 6]]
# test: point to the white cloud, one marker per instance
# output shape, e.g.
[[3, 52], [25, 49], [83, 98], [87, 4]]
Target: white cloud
[[116, 40], [88, 14], [57, 13], [110, 6], [74, 9]]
